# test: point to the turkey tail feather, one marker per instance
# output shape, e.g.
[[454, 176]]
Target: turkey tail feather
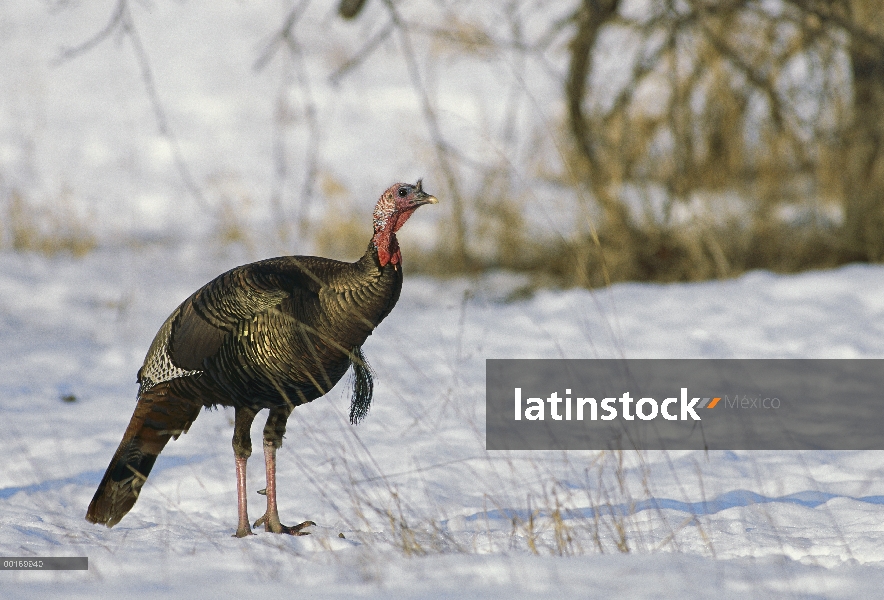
[[158, 416], [363, 387]]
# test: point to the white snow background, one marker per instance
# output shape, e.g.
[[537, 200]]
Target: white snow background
[[424, 510]]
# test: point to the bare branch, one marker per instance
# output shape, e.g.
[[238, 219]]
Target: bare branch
[[115, 23], [362, 54], [834, 12], [590, 19], [285, 37], [312, 151], [121, 20], [282, 36], [442, 155], [762, 83], [162, 119]]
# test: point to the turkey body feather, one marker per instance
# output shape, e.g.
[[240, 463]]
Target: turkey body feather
[[279, 332]]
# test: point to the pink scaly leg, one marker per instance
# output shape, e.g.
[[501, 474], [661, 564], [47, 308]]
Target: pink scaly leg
[[270, 520], [241, 503]]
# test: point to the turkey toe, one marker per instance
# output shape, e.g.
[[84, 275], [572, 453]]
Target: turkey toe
[[274, 526]]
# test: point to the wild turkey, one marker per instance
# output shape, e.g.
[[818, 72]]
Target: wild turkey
[[272, 334]]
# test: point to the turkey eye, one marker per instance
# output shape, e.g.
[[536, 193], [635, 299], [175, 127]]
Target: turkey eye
[[403, 192]]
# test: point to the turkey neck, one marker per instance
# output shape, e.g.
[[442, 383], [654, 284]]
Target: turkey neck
[[380, 283], [366, 291]]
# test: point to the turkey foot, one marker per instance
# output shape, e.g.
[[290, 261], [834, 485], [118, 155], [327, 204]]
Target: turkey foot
[[243, 532], [272, 524]]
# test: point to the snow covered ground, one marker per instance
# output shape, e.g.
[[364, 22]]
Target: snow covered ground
[[423, 508]]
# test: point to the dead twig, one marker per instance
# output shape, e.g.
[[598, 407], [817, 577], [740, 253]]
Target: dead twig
[[121, 21]]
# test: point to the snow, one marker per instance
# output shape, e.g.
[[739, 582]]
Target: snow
[[423, 508]]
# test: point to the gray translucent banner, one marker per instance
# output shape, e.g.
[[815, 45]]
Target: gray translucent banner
[[44, 563], [791, 404]]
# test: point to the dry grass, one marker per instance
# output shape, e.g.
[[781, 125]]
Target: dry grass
[[47, 229], [713, 111], [649, 252], [343, 232], [558, 519], [503, 238], [232, 228]]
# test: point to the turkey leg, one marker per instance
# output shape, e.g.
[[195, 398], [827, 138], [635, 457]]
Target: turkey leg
[[243, 528], [270, 520], [242, 449]]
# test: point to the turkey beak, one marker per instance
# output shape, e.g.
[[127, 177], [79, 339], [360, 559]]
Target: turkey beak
[[421, 198]]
